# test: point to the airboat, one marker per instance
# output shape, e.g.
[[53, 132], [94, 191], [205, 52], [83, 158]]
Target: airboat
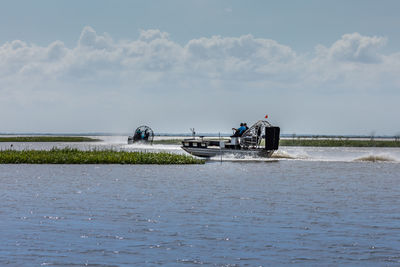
[[260, 140], [142, 134]]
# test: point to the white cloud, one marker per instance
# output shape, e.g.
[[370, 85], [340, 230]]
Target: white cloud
[[56, 51], [357, 48], [89, 38], [153, 34], [203, 77], [244, 57]]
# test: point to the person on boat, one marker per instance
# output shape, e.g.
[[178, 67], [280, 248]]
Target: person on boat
[[239, 131], [146, 135], [138, 135], [245, 125]]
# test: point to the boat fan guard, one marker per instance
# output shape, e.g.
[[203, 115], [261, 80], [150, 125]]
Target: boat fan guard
[[252, 137], [142, 134]]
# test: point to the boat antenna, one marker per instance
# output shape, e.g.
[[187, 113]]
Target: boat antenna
[[193, 132]]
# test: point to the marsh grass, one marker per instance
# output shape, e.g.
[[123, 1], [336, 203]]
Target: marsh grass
[[373, 158], [48, 139], [75, 156]]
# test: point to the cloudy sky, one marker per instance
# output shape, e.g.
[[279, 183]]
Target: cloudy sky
[[315, 67]]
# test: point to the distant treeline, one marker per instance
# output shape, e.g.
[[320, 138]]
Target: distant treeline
[[75, 156], [48, 139]]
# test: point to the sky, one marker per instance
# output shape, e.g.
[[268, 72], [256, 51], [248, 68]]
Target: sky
[[315, 67]]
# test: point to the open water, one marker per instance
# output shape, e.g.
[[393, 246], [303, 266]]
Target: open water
[[306, 206]]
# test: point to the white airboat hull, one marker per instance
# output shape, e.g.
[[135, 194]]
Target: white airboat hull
[[212, 152]]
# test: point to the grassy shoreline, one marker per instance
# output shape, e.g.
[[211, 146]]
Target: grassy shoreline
[[48, 139], [75, 156]]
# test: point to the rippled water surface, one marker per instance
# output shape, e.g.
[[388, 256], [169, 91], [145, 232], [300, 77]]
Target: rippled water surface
[[314, 210]]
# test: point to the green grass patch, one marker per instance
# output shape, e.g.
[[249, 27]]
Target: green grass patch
[[48, 139], [75, 156], [338, 143]]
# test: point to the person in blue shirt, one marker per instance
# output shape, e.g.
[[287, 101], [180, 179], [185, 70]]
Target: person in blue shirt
[[239, 131], [242, 129], [138, 135]]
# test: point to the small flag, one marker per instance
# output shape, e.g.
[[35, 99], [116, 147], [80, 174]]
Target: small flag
[[266, 116]]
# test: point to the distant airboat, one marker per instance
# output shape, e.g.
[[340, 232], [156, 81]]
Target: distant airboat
[[142, 134]]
